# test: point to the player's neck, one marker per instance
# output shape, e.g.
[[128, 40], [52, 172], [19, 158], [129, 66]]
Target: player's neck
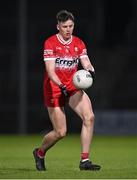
[[62, 40]]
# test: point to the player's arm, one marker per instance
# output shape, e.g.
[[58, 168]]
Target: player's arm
[[49, 58], [84, 59], [50, 68], [86, 64]]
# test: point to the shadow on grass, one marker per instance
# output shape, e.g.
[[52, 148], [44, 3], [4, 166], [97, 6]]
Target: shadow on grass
[[16, 169]]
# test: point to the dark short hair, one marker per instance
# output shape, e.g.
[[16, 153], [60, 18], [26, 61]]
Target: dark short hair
[[64, 15]]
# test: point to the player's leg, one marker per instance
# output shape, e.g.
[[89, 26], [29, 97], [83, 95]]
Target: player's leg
[[81, 104], [58, 119]]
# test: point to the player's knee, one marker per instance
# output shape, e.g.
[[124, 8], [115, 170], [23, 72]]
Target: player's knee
[[92, 117], [61, 133], [89, 119]]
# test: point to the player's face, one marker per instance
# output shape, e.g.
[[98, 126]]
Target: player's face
[[66, 29]]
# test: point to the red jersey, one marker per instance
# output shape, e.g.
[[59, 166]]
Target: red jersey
[[66, 56]]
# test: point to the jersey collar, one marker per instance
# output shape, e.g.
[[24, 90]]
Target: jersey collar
[[62, 41]]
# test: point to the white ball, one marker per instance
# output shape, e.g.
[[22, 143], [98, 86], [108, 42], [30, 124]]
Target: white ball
[[82, 79]]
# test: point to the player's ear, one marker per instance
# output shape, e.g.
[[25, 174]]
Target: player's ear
[[57, 27]]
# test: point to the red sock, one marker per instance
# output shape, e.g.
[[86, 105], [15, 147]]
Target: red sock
[[84, 156], [41, 153]]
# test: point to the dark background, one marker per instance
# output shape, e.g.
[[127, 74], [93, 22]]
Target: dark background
[[109, 30]]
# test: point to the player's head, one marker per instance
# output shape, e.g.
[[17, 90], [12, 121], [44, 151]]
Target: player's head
[[65, 24], [64, 15]]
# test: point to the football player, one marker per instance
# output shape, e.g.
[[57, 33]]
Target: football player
[[62, 53]]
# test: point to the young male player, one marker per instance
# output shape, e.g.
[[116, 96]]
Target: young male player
[[62, 53]]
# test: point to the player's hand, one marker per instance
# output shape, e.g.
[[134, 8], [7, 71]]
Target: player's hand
[[63, 90], [92, 74]]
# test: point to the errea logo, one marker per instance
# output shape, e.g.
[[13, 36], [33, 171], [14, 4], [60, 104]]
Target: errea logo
[[58, 48]]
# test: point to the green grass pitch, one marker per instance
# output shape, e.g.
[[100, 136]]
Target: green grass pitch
[[116, 154]]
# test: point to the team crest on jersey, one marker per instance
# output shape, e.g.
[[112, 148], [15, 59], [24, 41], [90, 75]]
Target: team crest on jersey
[[76, 49], [58, 48]]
